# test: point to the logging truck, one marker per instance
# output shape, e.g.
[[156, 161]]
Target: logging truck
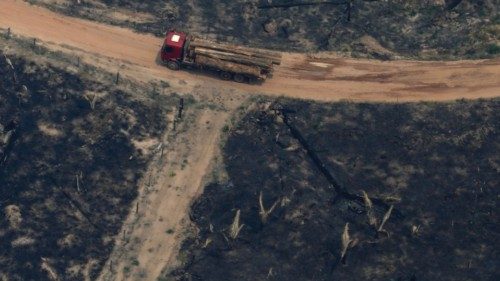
[[231, 62]]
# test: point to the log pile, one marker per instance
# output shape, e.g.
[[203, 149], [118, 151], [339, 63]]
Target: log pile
[[230, 66], [236, 59]]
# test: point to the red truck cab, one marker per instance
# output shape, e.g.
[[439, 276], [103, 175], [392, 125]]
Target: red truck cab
[[173, 49]]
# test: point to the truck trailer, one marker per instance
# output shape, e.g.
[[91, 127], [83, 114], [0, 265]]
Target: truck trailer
[[231, 62]]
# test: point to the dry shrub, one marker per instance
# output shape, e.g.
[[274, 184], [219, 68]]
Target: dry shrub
[[264, 214], [372, 220], [13, 214], [235, 226]]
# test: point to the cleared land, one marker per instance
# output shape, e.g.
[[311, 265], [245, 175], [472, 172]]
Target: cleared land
[[322, 77], [150, 236], [296, 176], [72, 151], [66, 128], [439, 29]]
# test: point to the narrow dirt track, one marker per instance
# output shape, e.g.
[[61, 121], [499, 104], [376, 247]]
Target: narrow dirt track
[[321, 77], [163, 205]]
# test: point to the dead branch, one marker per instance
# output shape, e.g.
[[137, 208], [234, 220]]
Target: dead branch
[[92, 100], [77, 206], [77, 182], [372, 219], [270, 273], [9, 62], [207, 242], [346, 242], [264, 214], [47, 267], [235, 226], [385, 219]]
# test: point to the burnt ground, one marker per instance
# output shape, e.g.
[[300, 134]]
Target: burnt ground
[[68, 169], [436, 29], [437, 164]]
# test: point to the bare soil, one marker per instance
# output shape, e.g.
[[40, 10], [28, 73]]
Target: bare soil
[[300, 76], [151, 237], [439, 29]]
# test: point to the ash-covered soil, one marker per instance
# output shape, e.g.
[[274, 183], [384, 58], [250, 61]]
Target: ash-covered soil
[[297, 171], [70, 161], [436, 29]]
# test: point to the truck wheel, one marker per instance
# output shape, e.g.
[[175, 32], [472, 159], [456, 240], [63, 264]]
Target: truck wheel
[[239, 78], [173, 65], [224, 75]]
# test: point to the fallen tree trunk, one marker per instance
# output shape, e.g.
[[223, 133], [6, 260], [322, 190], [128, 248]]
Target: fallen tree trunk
[[230, 66], [237, 58], [253, 53], [339, 189]]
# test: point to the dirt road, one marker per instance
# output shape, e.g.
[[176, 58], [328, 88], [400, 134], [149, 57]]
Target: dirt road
[[323, 77]]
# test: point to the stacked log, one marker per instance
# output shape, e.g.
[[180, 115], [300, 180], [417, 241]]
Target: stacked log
[[236, 58], [274, 57], [229, 66]]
